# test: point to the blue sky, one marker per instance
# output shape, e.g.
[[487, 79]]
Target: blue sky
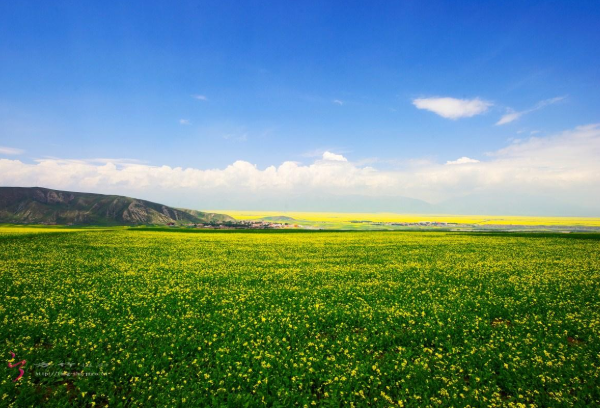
[[201, 85]]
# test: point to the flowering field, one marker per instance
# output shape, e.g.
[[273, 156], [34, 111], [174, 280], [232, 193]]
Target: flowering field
[[175, 318], [345, 218]]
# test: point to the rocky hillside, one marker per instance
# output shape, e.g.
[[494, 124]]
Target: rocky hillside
[[43, 205]]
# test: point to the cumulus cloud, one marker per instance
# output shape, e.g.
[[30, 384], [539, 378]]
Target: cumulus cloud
[[10, 150], [334, 157], [564, 165], [511, 115], [452, 108], [462, 160]]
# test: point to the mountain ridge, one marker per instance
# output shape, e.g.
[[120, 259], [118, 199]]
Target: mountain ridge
[[28, 205]]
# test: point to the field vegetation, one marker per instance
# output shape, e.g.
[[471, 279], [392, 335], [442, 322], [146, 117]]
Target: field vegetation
[[344, 218], [121, 317]]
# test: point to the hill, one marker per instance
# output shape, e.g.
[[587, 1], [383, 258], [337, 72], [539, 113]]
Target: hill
[[278, 218], [42, 205]]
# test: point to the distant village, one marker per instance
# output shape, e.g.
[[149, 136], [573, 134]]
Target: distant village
[[290, 223], [264, 224], [232, 225]]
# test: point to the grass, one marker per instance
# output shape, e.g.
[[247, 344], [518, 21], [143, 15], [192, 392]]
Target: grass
[[126, 317]]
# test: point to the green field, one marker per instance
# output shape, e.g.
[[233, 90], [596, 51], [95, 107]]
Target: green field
[[177, 318]]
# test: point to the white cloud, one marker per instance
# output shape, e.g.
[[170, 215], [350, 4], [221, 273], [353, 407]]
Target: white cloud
[[550, 101], [565, 165], [200, 97], [462, 160], [338, 102], [334, 157], [511, 115], [184, 122], [452, 108], [10, 150]]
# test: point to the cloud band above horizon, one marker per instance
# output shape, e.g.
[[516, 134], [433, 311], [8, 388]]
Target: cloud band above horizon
[[564, 164]]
